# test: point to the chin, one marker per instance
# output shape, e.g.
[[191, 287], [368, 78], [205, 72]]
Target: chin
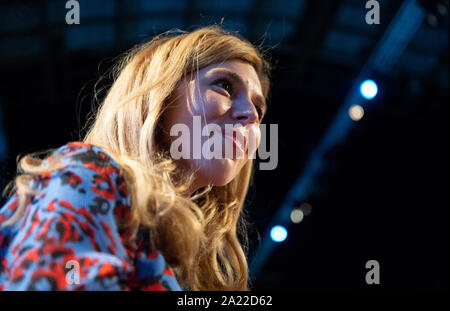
[[221, 172]]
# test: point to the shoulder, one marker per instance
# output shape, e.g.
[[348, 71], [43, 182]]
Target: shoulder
[[87, 174], [87, 155], [78, 159]]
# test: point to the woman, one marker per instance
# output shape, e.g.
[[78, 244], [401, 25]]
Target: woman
[[118, 210]]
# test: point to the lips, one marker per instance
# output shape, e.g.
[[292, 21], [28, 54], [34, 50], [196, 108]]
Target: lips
[[239, 143]]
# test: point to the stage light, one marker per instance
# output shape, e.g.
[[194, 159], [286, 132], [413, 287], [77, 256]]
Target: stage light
[[296, 216], [441, 9], [306, 208], [356, 112], [278, 234], [368, 89], [432, 20]]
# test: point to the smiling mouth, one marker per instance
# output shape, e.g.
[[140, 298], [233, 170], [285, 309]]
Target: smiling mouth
[[241, 145]]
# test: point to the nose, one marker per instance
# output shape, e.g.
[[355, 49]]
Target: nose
[[244, 111]]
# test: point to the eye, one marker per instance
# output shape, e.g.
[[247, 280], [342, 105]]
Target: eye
[[225, 85]]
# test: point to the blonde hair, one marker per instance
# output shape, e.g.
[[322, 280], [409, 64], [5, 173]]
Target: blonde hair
[[198, 236]]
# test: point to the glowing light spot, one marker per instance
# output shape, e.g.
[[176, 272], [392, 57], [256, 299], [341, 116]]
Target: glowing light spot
[[432, 20], [296, 216], [441, 9], [278, 234], [306, 208], [356, 112], [368, 89]]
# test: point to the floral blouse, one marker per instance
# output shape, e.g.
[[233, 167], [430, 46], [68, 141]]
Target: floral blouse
[[71, 238]]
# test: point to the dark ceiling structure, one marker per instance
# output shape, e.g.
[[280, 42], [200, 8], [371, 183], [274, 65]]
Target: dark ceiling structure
[[375, 188]]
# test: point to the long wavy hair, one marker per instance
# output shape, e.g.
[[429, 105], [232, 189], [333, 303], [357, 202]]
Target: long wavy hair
[[202, 237]]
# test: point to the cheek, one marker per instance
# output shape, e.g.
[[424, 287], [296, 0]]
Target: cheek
[[178, 113], [218, 172], [254, 137], [210, 104]]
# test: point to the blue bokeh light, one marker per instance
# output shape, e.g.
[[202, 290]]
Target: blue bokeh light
[[278, 234], [368, 89]]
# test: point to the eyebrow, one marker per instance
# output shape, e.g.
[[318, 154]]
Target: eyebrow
[[237, 78]]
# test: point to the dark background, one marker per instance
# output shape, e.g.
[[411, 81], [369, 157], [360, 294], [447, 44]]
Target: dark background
[[383, 192]]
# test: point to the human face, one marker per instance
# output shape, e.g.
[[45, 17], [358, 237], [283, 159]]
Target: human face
[[224, 94]]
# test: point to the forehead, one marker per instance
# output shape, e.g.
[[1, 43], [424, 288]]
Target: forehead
[[243, 70]]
